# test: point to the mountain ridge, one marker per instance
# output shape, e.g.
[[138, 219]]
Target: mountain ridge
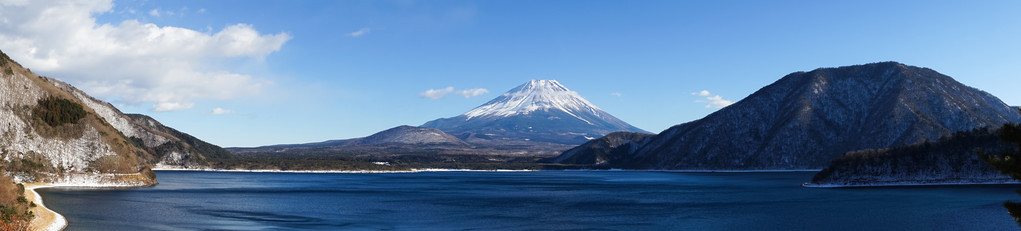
[[806, 119], [77, 135]]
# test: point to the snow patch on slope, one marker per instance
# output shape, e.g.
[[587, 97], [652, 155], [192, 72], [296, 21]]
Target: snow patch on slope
[[115, 118], [108, 114], [73, 154], [19, 139]]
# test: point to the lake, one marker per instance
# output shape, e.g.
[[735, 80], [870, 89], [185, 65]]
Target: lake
[[543, 200]]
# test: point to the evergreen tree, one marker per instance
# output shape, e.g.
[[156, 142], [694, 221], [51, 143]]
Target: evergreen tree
[[1009, 163]]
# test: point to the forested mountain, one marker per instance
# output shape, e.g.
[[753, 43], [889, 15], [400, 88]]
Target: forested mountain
[[806, 119]]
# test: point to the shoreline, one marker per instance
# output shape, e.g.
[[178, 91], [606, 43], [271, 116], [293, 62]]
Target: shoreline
[[477, 170], [45, 218], [341, 171], [736, 171], [809, 185]]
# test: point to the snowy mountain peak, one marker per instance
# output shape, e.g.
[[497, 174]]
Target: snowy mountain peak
[[535, 95], [537, 111]]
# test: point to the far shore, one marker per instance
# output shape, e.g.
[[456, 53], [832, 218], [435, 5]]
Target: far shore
[[906, 184], [475, 170], [342, 171]]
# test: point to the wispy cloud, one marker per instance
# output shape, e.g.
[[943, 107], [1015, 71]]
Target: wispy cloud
[[154, 12], [712, 101], [473, 92], [436, 93], [360, 32], [442, 92], [221, 111], [617, 94], [171, 106]]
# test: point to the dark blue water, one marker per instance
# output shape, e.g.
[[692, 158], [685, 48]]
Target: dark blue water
[[546, 200]]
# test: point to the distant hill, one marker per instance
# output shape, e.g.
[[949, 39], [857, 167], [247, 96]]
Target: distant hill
[[408, 135], [400, 135], [806, 119], [399, 148], [402, 139], [612, 148], [536, 111]]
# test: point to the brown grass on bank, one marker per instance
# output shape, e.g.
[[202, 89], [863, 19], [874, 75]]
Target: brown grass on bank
[[14, 207]]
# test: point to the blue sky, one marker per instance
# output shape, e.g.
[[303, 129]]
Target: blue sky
[[321, 70]]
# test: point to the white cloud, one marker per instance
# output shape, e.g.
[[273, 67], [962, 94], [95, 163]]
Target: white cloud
[[133, 62], [436, 93], [716, 101], [221, 111], [154, 12], [202, 10], [473, 92], [617, 94], [171, 106], [360, 32]]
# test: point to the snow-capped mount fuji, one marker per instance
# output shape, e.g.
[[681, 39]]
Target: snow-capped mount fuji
[[533, 96], [537, 111]]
